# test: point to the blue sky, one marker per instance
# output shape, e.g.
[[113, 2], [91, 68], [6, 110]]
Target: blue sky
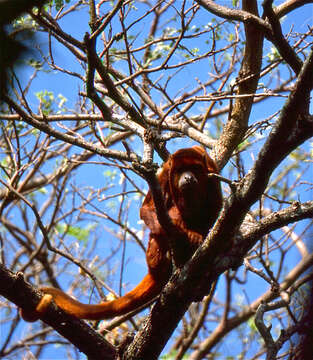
[[95, 175]]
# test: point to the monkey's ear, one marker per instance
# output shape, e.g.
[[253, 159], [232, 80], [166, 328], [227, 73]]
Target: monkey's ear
[[210, 164], [199, 149]]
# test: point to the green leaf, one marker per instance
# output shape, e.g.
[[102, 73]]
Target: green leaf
[[79, 233], [46, 99]]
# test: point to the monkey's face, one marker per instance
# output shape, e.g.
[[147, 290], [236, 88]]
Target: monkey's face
[[187, 181], [188, 186]]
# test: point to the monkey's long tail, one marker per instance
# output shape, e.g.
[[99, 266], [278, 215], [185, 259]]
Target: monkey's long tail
[[145, 291]]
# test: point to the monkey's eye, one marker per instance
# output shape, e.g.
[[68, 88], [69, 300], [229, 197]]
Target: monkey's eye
[[194, 168]]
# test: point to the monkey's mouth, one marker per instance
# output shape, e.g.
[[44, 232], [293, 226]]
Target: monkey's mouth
[[187, 181]]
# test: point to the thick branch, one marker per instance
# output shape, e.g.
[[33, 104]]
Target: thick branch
[[290, 5], [238, 15], [293, 127], [282, 45], [248, 77], [274, 221], [14, 288]]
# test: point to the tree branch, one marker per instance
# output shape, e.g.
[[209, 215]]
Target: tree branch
[[278, 39], [239, 15], [15, 289], [109, 153], [290, 5], [250, 310], [248, 76]]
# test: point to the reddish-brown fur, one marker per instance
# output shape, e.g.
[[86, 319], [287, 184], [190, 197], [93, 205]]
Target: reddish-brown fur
[[193, 201]]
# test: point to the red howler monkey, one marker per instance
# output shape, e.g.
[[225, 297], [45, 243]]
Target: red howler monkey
[[193, 201]]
